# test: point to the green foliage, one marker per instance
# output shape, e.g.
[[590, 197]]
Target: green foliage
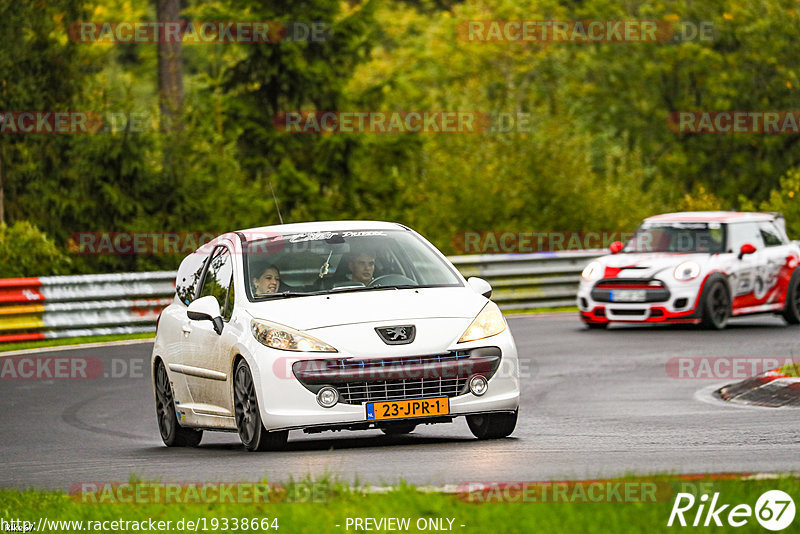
[[598, 154], [785, 200], [26, 251]]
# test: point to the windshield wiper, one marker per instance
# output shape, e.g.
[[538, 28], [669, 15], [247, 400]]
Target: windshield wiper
[[351, 289], [283, 294]]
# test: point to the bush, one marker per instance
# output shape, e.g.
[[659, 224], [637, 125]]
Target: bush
[[27, 251]]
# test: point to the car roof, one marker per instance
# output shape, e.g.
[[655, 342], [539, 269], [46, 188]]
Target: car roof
[[708, 216], [321, 226]]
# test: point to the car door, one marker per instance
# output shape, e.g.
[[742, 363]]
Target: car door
[[171, 337], [778, 264], [744, 274], [206, 353]]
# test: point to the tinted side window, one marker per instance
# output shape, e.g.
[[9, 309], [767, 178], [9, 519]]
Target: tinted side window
[[189, 276], [218, 277], [741, 233], [770, 234]]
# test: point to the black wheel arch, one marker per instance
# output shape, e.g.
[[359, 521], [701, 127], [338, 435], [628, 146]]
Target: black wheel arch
[[707, 283]]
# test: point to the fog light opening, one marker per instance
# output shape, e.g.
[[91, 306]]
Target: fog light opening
[[327, 397], [478, 385]]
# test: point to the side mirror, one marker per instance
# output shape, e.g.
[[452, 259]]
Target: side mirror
[[616, 247], [480, 286], [747, 248], [206, 309]]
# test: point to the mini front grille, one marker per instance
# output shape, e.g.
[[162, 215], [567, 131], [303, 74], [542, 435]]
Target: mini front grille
[[621, 311], [387, 390], [654, 290]]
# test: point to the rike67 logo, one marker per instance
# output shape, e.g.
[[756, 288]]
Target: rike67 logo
[[774, 510]]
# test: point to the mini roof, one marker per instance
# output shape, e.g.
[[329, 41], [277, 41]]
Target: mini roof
[[709, 216]]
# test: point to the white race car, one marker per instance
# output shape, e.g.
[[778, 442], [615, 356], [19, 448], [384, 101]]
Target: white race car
[[695, 267], [329, 326]]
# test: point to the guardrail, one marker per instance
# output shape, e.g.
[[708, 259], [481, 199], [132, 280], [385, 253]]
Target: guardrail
[[51, 307], [529, 281]]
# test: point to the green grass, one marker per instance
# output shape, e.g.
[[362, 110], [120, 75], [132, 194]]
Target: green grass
[[72, 341], [323, 506]]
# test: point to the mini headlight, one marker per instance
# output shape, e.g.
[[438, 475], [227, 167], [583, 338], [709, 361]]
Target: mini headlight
[[593, 271], [489, 322], [281, 337], [687, 270]]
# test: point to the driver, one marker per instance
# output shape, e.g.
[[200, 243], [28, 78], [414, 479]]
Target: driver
[[362, 268]]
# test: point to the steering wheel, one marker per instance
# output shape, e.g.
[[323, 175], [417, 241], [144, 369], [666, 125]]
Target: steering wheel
[[392, 280]]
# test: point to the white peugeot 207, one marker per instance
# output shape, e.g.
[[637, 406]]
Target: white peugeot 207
[[322, 326], [695, 267]]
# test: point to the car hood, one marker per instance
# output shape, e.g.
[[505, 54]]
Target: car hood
[[334, 309], [646, 265]]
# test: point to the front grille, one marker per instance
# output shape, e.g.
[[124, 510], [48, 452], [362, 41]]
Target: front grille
[[386, 390], [655, 291], [410, 377], [348, 363], [619, 311]]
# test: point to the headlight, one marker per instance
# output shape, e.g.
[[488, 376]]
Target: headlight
[[283, 338], [593, 271], [687, 270], [489, 322]]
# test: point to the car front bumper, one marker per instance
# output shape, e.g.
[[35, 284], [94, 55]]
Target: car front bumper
[[679, 305], [286, 404]]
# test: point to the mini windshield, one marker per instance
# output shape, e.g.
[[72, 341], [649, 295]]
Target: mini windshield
[[289, 265], [678, 237]]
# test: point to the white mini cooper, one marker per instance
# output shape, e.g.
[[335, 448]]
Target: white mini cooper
[[696, 267], [329, 326]]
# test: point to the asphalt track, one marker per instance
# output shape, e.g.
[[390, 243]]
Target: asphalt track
[[594, 404]]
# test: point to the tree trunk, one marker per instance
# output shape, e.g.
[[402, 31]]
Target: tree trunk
[[170, 71], [2, 200]]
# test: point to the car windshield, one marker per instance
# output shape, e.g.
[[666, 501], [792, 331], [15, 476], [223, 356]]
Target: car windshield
[[678, 237], [301, 264]]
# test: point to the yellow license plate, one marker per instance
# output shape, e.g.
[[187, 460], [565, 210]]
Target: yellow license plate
[[407, 408]]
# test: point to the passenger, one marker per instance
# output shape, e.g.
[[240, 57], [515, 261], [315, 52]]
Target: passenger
[[268, 282]]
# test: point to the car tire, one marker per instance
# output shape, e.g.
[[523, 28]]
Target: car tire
[[248, 417], [172, 433], [596, 326], [716, 305], [492, 425], [397, 430], [791, 311]]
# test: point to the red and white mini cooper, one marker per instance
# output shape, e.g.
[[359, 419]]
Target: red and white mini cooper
[[695, 267]]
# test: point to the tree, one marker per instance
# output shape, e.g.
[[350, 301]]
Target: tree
[[170, 70]]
